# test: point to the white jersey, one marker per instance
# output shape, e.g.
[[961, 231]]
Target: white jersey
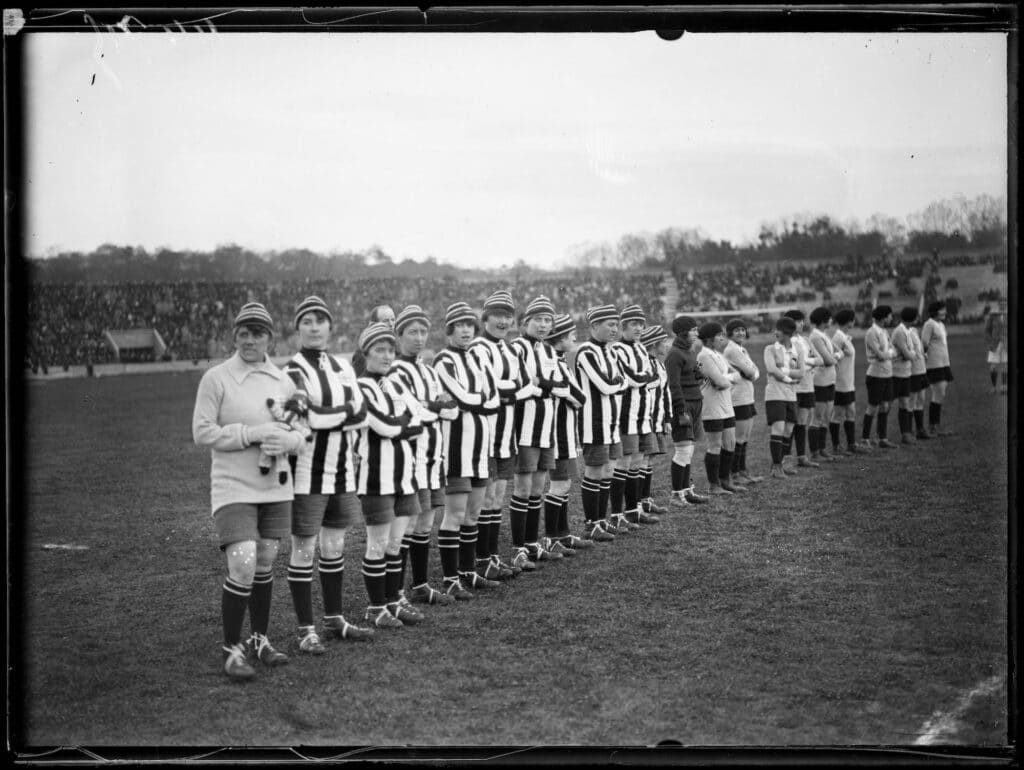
[[785, 360], [936, 352], [901, 364], [845, 368], [879, 352], [917, 366], [824, 374], [811, 361], [717, 400], [739, 359]]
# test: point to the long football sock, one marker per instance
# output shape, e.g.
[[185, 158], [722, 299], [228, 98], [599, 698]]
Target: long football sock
[[259, 602], [517, 520], [392, 576], [618, 490], [332, 574], [833, 430], [724, 465], [775, 445], [883, 425], [448, 548], [552, 510], [234, 601], [800, 438], [375, 578], [467, 548], [606, 493], [677, 477], [533, 505], [300, 586], [590, 494], [711, 466], [866, 431], [419, 557], [850, 429], [919, 419]]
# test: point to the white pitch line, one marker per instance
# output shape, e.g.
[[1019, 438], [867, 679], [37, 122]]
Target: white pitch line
[[941, 727]]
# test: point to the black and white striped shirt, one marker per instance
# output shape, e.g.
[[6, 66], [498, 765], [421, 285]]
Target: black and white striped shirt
[[496, 356], [467, 438], [567, 428], [601, 381], [535, 416], [421, 382], [328, 381], [661, 403], [386, 462], [635, 364]]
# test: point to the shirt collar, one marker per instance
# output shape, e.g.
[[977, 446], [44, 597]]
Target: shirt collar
[[239, 370]]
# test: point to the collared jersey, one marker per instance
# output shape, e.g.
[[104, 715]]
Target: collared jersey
[[824, 374], [878, 366], [496, 356], [785, 360], [386, 461], [917, 366], [811, 363], [535, 416], [901, 365], [598, 371], [467, 438], [567, 433], [717, 401], [421, 382], [739, 358], [936, 351], [845, 368], [634, 406]]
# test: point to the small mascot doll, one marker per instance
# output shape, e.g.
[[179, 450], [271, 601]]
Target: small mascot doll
[[292, 415]]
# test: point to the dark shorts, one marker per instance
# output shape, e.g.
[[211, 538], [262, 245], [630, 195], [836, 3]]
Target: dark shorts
[[564, 470], [780, 411], [880, 389], [824, 394], [648, 443], [378, 509], [845, 398], [407, 505], [236, 522], [595, 455], [431, 499], [717, 426], [942, 374], [630, 443], [901, 387], [805, 400], [615, 450], [531, 459], [664, 443], [463, 485], [918, 382], [695, 430], [310, 512], [501, 468], [744, 412]]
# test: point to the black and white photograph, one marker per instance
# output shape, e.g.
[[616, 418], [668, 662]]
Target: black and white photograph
[[378, 389]]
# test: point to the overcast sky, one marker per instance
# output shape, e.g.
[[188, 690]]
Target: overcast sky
[[485, 149]]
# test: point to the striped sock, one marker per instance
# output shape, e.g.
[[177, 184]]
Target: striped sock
[[403, 555], [648, 473], [603, 499], [517, 520], [590, 497], [618, 490], [375, 577], [332, 573], [419, 557], [493, 534], [563, 518], [234, 600], [467, 548], [300, 584], [552, 510], [483, 534], [392, 576], [259, 602], [630, 491], [533, 505]]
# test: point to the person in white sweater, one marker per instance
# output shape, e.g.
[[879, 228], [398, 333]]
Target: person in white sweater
[[718, 416]]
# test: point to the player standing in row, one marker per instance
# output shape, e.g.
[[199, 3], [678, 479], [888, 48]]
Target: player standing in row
[[684, 383], [634, 420], [879, 375], [918, 382], [412, 327], [742, 396], [901, 370], [656, 341], [600, 380], [717, 415], [783, 366], [383, 314], [496, 355], [535, 454], [997, 340], [936, 359], [824, 378], [325, 478], [467, 441], [844, 413], [804, 388]]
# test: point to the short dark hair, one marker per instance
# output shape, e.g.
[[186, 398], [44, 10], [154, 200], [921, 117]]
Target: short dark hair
[[820, 315], [786, 325], [880, 312], [935, 307], [908, 314], [844, 316], [796, 315], [733, 325]]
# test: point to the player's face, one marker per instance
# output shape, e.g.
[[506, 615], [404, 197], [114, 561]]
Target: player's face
[[379, 357], [314, 330], [603, 331], [662, 348], [630, 329], [567, 343], [539, 325], [252, 343], [739, 334], [386, 316], [693, 335], [462, 334], [719, 341], [941, 315], [498, 324], [413, 339]]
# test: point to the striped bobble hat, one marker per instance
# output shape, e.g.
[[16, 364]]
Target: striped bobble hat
[[309, 304], [652, 335], [373, 334], [633, 313], [254, 314], [459, 311], [600, 313], [500, 300], [408, 314], [540, 305], [563, 325]]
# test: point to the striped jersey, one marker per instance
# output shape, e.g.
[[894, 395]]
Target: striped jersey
[[779, 358], [467, 438], [567, 434], [878, 347], [600, 380], [845, 368], [824, 374], [901, 339], [386, 462], [535, 416], [661, 402], [420, 382], [739, 359], [933, 336], [328, 381], [917, 366], [717, 400], [497, 357], [635, 363]]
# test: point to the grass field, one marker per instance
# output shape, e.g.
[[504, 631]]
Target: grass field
[[847, 606]]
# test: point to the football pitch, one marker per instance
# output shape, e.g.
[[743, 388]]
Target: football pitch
[[861, 604]]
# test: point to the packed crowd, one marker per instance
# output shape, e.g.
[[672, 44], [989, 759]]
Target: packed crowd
[[422, 454]]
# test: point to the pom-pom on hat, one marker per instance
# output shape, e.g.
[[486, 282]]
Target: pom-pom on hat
[[682, 325], [600, 313], [459, 311], [563, 325], [710, 330], [408, 314], [310, 304], [632, 313], [500, 300], [652, 335], [373, 334], [255, 314], [539, 306]]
